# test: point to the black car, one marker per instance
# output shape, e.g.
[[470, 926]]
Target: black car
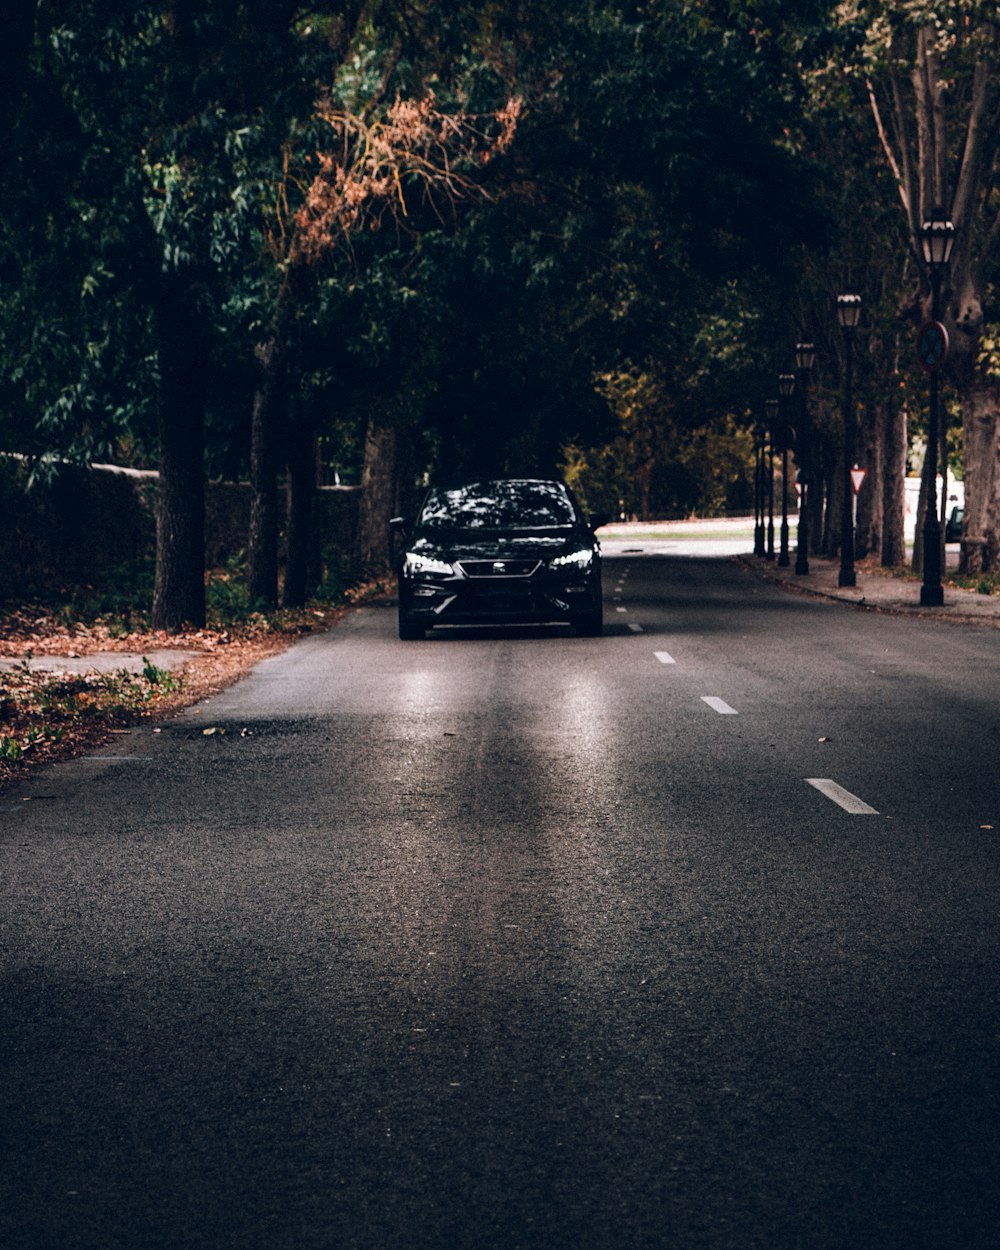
[[509, 551]]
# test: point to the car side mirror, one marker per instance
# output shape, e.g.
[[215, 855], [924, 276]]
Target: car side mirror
[[399, 525], [597, 519]]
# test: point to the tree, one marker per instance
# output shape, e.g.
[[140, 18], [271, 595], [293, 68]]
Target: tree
[[409, 164], [647, 176], [933, 79]]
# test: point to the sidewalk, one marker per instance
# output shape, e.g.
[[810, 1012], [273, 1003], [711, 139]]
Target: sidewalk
[[79, 662], [877, 590]]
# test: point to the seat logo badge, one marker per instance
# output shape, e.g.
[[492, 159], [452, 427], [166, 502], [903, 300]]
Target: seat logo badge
[[499, 567]]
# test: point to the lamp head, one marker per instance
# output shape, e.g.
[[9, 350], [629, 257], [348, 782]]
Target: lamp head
[[849, 311], [937, 236]]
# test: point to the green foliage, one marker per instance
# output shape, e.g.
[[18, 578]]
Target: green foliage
[[989, 351], [983, 584], [665, 461], [120, 602], [336, 578], [40, 707], [227, 599], [161, 678], [10, 748]]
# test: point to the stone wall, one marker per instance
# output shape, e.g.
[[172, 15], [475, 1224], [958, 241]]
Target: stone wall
[[85, 524]]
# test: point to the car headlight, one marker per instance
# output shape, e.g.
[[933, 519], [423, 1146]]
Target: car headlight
[[574, 560], [414, 564]]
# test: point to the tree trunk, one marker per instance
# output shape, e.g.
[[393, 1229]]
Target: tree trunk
[[917, 563], [815, 508], [871, 437], [816, 497], [385, 491], [894, 485], [832, 519], [981, 441], [179, 593], [301, 489], [262, 543], [979, 397], [645, 491]]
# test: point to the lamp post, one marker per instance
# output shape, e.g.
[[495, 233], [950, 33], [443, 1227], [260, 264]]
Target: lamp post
[[759, 438], [786, 436], [771, 407], [805, 358], [937, 235], [848, 314]]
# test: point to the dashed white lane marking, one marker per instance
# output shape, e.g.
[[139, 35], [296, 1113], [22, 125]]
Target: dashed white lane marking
[[621, 609], [843, 798], [719, 705], [635, 627], [664, 657]]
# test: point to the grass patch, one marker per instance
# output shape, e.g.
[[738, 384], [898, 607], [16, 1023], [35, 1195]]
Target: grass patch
[[39, 708], [982, 583], [121, 602]]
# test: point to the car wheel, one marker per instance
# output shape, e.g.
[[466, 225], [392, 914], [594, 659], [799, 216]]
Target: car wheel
[[409, 631], [590, 624]]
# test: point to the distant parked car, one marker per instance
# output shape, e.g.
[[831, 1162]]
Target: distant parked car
[[502, 552], [953, 527]]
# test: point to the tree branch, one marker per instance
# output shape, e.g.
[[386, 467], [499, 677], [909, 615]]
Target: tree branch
[[382, 91], [890, 156], [413, 145], [905, 147], [938, 121], [992, 241], [925, 130], [970, 177]]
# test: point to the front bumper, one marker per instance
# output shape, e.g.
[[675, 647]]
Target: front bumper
[[545, 596]]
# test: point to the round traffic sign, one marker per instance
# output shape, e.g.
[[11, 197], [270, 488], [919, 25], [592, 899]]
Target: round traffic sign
[[932, 346]]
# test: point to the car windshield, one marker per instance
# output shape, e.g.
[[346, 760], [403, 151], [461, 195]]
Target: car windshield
[[499, 505]]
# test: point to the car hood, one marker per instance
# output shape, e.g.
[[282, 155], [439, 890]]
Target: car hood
[[454, 545]]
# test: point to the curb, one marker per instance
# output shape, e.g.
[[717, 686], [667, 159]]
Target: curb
[[869, 599]]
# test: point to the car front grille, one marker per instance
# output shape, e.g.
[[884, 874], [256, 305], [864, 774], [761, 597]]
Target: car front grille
[[498, 568]]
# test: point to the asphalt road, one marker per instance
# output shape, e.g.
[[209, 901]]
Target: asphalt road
[[523, 940]]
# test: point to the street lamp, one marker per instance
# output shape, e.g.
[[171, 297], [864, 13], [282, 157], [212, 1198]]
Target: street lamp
[[759, 439], [805, 359], [937, 235], [771, 407], [786, 388], [848, 314]]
